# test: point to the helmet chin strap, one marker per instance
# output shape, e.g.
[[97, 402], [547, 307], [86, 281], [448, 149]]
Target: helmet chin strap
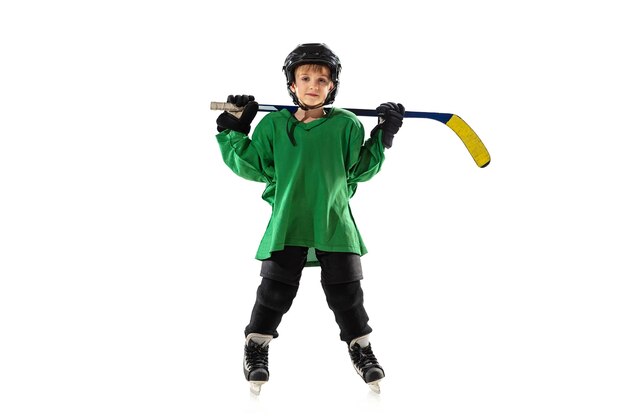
[[306, 108]]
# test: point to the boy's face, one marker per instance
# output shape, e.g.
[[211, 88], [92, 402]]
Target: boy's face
[[312, 84]]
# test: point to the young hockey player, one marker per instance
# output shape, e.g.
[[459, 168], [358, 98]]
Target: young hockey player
[[311, 162]]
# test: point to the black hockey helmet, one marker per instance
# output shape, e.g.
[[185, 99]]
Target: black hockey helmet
[[312, 53]]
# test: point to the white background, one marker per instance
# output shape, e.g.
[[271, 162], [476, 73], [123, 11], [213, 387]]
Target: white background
[[126, 245]]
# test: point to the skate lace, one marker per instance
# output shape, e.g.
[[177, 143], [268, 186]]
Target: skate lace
[[363, 357], [256, 355]]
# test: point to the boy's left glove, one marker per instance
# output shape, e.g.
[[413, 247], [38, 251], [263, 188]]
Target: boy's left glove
[[242, 123], [390, 117]]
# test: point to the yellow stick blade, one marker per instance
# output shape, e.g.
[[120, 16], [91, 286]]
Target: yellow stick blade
[[471, 140]]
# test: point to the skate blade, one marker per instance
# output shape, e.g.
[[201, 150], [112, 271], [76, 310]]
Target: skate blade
[[374, 387], [255, 387]]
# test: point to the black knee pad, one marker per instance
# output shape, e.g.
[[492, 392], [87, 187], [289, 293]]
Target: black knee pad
[[275, 295], [346, 302], [342, 297]]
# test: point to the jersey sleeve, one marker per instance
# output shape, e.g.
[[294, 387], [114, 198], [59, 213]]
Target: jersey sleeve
[[365, 158], [249, 158]]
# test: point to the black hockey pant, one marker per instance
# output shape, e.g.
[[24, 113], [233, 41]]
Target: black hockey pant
[[341, 274]]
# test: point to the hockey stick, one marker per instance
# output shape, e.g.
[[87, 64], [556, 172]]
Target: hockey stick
[[470, 139]]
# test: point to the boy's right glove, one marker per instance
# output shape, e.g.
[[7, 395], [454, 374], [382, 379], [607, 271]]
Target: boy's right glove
[[242, 123], [390, 117]]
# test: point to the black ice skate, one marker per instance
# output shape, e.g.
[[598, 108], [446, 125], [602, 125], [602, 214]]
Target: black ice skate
[[365, 362], [255, 360]]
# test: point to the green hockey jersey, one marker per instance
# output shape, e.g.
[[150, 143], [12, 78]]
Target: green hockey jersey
[[311, 171]]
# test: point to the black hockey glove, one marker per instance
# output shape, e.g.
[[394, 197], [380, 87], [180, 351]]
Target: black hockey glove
[[390, 117], [242, 123]]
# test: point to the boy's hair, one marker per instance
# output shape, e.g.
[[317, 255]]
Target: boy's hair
[[312, 68]]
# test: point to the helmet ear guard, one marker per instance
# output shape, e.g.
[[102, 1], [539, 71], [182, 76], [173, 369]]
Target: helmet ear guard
[[312, 53]]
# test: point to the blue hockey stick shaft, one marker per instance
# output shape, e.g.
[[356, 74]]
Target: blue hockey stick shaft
[[441, 117]]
